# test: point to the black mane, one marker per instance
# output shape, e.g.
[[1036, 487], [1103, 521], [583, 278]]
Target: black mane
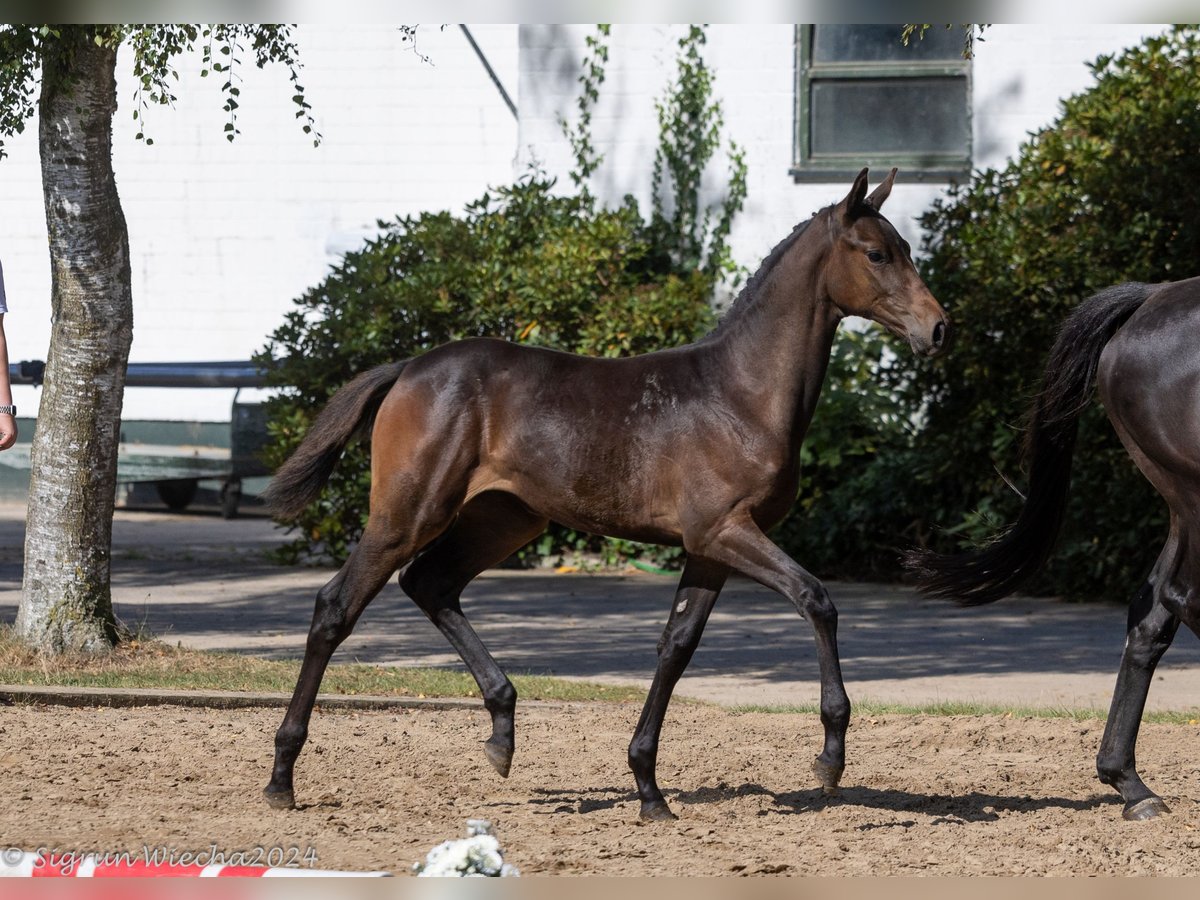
[[747, 294]]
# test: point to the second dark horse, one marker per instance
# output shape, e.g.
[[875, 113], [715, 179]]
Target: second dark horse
[[478, 444], [1138, 341]]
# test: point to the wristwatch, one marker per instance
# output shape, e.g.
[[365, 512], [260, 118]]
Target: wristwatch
[[8, 410]]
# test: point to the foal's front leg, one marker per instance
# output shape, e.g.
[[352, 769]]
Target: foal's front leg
[[742, 546], [698, 588]]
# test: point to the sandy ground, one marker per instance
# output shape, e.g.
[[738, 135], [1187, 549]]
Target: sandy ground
[[922, 795]]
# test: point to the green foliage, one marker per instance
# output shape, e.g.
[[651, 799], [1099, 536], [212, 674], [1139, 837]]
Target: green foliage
[[30, 53], [156, 46], [591, 76], [19, 45], [1105, 194], [690, 123], [25, 48], [521, 264], [971, 34]]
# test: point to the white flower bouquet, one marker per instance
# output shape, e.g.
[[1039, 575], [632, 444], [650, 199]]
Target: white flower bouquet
[[478, 855]]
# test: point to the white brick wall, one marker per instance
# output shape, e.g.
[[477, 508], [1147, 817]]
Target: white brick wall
[[223, 236], [1023, 72], [1019, 75]]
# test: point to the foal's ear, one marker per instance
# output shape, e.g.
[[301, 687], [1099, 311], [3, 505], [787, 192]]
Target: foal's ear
[[850, 204], [881, 193]]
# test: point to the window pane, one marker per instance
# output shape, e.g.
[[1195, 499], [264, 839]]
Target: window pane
[[876, 116], [881, 43]]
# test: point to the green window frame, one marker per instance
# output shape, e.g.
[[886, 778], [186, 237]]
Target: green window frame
[[946, 81]]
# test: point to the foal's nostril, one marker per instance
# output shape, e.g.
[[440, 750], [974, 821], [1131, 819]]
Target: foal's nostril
[[939, 334]]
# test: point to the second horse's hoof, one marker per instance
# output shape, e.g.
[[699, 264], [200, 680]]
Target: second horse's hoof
[[828, 776], [499, 757], [279, 799], [657, 811], [1150, 808]]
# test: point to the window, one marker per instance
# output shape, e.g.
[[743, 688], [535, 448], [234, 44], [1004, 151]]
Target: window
[[864, 99]]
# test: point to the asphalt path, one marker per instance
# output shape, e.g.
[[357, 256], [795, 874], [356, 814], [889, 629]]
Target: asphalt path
[[200, 580]]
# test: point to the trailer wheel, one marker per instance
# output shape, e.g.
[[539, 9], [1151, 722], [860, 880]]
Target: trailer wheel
[[178, 492]]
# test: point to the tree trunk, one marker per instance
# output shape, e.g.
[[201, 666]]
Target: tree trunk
[[66, 601]]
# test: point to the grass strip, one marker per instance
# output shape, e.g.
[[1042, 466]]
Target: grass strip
[[867, 709], [153, 664]]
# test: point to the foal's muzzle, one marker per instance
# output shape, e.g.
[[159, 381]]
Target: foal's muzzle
[[931, 341]]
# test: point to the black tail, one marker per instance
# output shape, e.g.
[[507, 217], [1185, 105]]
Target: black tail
[[998, 569], [299, 480]]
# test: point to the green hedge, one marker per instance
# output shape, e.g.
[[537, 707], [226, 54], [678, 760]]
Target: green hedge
[[1107, 193], [902, 451], [521, 263]]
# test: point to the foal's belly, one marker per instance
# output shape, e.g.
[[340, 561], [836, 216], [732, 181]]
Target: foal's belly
[[604, 491]]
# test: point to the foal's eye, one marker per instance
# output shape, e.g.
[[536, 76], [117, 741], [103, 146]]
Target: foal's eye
[[876, 257]]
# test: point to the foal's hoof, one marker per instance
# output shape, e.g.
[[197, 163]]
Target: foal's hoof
[[499, 757], [1149, 808], [279, 799], [828, 776], [657, 811]]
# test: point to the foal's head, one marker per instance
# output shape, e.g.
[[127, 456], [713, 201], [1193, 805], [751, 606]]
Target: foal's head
[[869, 271]]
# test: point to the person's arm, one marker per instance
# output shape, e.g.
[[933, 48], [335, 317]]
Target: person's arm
[[8, 422]]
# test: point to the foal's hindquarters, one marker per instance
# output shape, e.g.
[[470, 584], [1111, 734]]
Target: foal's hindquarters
[[428, 445]]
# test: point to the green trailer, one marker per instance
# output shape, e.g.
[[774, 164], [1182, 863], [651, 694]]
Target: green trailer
[[177, 470]]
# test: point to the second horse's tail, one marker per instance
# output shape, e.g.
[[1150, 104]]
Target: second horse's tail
[[299, 480], [998, 569]]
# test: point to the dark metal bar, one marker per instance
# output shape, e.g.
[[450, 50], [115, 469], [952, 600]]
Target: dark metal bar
[[175, 374], [512, 107], [201, 374]]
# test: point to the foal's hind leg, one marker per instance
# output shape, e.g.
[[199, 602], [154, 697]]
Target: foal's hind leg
[[488, 530], [338, 606], [698, 588], [1152, 627]]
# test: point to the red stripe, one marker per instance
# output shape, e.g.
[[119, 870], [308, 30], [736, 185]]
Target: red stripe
[[43, 868], [145, 870], [242, 872]]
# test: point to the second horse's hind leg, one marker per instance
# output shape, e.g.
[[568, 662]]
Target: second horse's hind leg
[[489, 529], [1151, 630]]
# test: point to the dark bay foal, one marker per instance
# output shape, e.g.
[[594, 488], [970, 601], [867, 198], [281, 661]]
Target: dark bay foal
[[478, 444]]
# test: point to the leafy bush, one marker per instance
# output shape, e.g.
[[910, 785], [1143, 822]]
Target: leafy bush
[[521, 263], [1105, 194]]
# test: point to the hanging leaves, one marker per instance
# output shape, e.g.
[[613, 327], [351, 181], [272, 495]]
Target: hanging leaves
[[155, 51]]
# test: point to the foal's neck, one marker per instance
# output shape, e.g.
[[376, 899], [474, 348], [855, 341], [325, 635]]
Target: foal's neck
[[779, 337]]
